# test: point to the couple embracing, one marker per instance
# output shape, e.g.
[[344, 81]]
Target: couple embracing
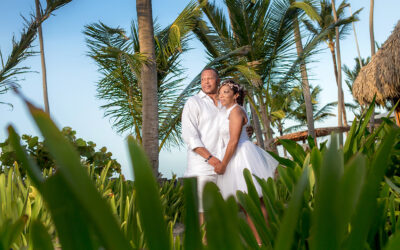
[[214, 130]]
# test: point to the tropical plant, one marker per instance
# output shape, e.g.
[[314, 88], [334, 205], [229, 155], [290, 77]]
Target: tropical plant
[[148, 82], [265, 29], [39, 152], [22, 49], [327, 19], [351, 75], [297, 111], [42, 58], [119, 61], [323, 198]]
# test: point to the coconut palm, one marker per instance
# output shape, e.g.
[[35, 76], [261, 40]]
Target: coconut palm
[[148, 82], [327, 19], [266, 29], [297, 110], [304, 74], [44, 74], [22, 48], [351, 75], [119, 61]]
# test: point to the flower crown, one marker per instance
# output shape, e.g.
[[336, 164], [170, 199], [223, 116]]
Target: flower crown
[[232, 85]]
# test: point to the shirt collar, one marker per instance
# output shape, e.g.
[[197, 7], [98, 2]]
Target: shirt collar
[[201, 94]]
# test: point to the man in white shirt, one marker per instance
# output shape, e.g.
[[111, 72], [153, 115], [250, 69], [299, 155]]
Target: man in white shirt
[[200, 133]]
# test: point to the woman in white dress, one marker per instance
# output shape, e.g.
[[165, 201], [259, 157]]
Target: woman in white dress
[[236, 150]]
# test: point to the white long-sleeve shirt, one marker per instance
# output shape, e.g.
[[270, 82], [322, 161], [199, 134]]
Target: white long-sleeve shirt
[[200, 129]]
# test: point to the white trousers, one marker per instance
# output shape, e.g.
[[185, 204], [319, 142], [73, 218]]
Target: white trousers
[[201, 182]]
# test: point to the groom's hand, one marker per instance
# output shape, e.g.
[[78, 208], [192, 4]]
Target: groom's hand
[[214, 161]]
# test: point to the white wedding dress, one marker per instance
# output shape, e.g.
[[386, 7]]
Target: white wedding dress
[[247, 155]]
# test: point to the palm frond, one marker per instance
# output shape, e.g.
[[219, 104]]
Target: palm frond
[[22, 49]]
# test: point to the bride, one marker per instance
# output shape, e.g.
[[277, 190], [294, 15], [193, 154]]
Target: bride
[[236, 150]]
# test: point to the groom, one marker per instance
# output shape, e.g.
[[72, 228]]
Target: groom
[[200, 133]]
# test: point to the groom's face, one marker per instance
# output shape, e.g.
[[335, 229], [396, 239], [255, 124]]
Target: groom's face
[[209, 82]]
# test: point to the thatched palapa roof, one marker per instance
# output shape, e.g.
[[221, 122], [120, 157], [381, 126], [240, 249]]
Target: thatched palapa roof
[[382, 75], [302, 135]]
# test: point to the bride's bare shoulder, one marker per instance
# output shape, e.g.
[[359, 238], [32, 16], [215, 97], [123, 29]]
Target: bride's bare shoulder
[[237, 112]]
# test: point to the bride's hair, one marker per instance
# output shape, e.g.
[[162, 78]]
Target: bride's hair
[[236, 88]]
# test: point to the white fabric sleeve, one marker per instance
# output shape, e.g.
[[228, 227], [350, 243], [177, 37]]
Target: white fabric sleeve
[[190, 121]]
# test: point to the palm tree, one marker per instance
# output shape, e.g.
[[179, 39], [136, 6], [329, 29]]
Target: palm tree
[[339, 79], [21, 49], [304, 75], [148, 82], [327, 19], [44, 77], [297, 109], [119, 61], [351, 75], [372, 42], [265, 29]]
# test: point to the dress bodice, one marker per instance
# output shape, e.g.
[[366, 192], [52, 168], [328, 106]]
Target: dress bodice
[[224, 128]]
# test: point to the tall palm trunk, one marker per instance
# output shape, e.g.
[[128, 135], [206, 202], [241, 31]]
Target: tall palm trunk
[[280, 129], [355, 39], [372, 38], [148, 82], [339, 67], [304, 80], [44, 75], [335, 69], [256, 122], [267, 125]]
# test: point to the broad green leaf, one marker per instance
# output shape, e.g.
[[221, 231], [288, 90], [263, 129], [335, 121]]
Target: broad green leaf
[[256, 216], [325, 231], [12, 231], [77, 183], [283, 161], [192, 238], [39, 237], [394, 242], [148, 199], [349, 191], [251, 189], [295, 150], [367, 206], [222, 225], [247, 234], [291, 216]]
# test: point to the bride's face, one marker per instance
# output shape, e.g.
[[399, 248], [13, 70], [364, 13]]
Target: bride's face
[[226, 96]]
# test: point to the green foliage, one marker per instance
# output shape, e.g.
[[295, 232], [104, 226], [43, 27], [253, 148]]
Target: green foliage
[[326, 198], [118, 59], [39, 152], [22, 49]]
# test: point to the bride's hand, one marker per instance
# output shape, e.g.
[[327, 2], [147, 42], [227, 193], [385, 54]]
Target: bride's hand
[[220, 168]]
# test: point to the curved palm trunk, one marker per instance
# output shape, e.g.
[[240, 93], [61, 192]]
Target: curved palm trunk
[[335, 69], [339, 67], [372, 38], [304, 80], [148, 82], [44, 74]]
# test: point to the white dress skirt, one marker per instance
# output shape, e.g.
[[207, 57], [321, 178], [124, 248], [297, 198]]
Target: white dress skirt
[[247, 155]]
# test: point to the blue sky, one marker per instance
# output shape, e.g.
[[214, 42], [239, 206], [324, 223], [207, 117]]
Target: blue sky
[[72, 75]]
